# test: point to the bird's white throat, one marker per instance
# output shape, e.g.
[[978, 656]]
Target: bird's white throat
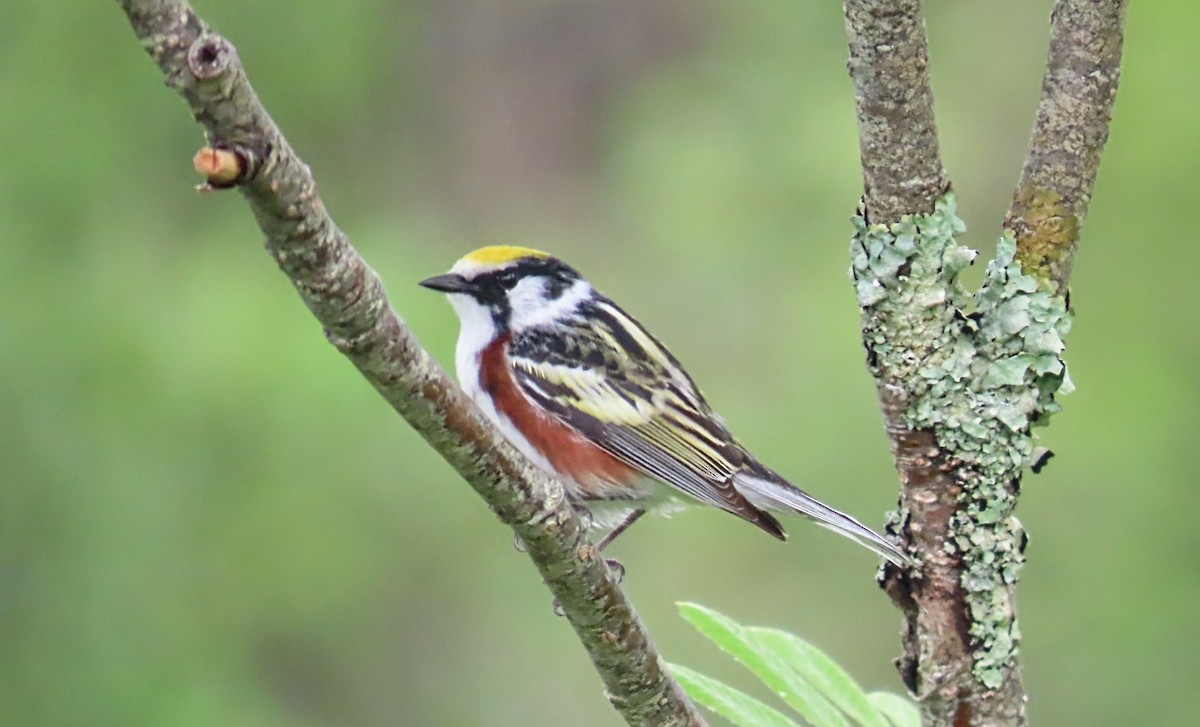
[[476, 331]]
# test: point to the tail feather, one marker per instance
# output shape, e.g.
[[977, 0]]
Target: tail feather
[[774, 493]]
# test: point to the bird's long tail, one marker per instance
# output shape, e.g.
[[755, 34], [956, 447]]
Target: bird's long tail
[[771, 492]]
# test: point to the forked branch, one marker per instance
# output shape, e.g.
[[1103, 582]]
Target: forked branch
[[960, 393]]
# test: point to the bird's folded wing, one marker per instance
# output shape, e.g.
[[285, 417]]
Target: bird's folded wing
[[643, 418]]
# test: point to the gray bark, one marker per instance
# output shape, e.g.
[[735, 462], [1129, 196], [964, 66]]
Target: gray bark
[[889, 64], [1079, 87]]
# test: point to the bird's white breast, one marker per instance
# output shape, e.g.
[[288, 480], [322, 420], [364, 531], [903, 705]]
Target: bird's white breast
[[476, 331]]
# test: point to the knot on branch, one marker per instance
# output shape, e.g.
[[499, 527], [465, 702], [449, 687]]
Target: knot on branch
[[210, 56]]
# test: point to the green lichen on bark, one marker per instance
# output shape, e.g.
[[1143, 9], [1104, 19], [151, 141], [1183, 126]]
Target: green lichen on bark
[[906, 278], [978, 372]]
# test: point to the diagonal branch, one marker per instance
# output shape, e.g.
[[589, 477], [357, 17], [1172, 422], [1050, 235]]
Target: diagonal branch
[[347, 297], [1083, 67]]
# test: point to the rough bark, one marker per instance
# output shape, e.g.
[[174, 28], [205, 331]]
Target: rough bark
[[1083, 67], [889, 63], [347, 297], [963, 378]]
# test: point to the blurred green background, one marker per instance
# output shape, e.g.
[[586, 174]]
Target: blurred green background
[[208, 518]]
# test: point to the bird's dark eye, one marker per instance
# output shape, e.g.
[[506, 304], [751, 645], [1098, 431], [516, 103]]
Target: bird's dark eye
[[507, 280]]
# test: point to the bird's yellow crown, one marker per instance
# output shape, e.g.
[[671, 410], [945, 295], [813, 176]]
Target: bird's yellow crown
[[500, 254]]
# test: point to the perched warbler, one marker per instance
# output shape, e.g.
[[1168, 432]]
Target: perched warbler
[[583, 390]]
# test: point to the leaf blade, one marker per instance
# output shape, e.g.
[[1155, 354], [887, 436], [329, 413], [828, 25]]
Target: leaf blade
[[732, 704], [899, 711], [818, 669], [732, 638]]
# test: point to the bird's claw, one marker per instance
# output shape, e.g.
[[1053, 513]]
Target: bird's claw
[[584, 515], [617, 568]]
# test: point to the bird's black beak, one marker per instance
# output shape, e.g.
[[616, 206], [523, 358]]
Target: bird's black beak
[[449, 283]]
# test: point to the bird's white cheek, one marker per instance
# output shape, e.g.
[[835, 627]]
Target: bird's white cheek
[[531, 308]]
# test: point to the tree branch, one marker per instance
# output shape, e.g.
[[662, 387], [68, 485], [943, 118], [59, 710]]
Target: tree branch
[[889, 62], [908, 297], [960, 393], [1083, 67], [347, 297]]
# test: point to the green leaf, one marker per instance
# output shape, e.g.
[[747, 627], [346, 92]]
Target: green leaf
[[737, 707], [899, 711], [814, 666], [777, 675]]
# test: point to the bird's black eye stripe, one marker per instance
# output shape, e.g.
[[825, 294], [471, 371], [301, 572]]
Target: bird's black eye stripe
[[558, 276]]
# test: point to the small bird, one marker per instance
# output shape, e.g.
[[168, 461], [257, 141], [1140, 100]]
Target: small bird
[[585, 392]]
